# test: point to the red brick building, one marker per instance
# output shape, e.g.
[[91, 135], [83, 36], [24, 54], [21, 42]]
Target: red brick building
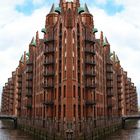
[[69, 82]]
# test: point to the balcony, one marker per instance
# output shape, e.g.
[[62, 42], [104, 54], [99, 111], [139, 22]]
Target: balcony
[[18, 108], [90, 86], [90, 103], [19, 75], [60, 34], [127, 102], [126, 87], [48, 86], [29, 86], [90, 74], [119, 92], [29, 79], [119, 75], [119, 79], [127, 97], [109, 85], [11, 98], [19, 99], [20, 81], [29, 70], [109, 78], [120, 107], [119, 86], [108, 63], [109, 106], [47, 63], [90, 52], [19, 87], [90, 63], [90, 40], [109, 70], [49, 51], [29, 63], [110, 94], [29, 106], [47, 41], [49, 74], [126, 84], [119, 99], [48, 103], [29, 95]]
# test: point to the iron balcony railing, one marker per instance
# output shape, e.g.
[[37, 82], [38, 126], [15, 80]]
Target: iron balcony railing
[[90, 74], [49, 62], [49, 103], [109, 85], [110, 94], [28, 86], [119, 79], [20, 80], [90, 103], [119, 86], [90, 40], [49, 40], [109, 70], [120, 98], [88, 62], [29, 70], [49, 51], [109, 78], [49, 74], [90, 52], [48, 86], [29, 106], [109, 105], [30, 78], [90, 86], [29, 95]]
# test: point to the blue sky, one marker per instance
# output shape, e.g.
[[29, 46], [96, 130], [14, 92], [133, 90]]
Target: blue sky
[[110, 6], [118, 19]]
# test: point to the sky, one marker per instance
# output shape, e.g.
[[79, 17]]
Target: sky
[[118, 19]]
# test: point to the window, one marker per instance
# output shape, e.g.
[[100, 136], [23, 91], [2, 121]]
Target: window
[[64, 91], [64, 110], [74, 91], [74, 110], [59, 94], [79, 92]]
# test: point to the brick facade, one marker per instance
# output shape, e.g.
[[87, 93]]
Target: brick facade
[[69, 82]]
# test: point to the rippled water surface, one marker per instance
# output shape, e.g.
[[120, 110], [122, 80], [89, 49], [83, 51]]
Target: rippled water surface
[[7, 132], [131, 132]]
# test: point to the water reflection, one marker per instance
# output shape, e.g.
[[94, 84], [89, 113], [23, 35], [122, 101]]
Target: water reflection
[[131, 132], [7, 132]]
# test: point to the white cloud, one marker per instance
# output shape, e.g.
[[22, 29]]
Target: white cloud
[[16, 32], [123, 33], [101, 1]]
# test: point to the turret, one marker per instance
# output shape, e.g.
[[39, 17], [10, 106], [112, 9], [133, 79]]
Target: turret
[[101, 38], [52, 17], [33, 42], [37, 38]]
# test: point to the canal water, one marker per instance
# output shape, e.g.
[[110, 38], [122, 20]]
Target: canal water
[[131, 132], [7, 132]]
